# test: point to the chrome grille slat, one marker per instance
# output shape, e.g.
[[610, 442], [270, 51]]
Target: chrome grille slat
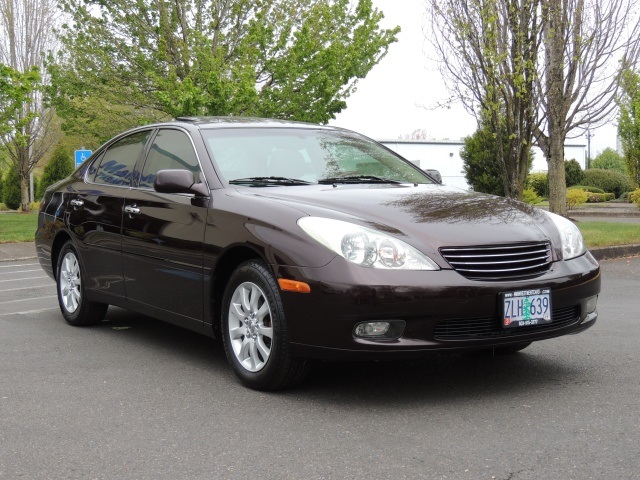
[[498, 262]]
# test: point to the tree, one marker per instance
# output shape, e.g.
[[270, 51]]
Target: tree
[[60, 166], [487, 52], [290, 59], [609, 159], [481, 166], [11, 190], [26, 31], [570, 53], [629, 123], [573, 173], [578, 73]]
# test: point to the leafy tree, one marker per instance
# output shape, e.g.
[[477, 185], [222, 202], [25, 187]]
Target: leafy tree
[[572, 172], [609, 159], [629, 123], [11, 191], [482, 166], [290, 59], [480, 162], [60, 166], [26, 33], [488, 51]]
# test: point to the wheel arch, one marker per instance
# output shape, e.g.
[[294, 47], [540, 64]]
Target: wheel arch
[[61, 238], [225, 266]]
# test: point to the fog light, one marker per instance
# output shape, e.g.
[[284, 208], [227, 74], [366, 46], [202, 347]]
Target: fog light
[[372, 329], [591, 304], [384, 329]]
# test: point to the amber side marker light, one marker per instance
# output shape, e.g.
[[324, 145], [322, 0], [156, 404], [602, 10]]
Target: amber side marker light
[[294, 286]]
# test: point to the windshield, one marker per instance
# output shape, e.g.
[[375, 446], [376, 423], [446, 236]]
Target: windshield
[[296, 156]]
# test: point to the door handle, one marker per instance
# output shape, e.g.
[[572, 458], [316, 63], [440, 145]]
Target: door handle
[[132, 210], [76, 203]]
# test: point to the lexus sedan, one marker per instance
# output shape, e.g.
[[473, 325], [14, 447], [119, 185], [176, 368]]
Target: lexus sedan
[[292, 241]]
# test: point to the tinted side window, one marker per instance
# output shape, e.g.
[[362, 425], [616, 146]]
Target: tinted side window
[[116, 167], [171, 149]]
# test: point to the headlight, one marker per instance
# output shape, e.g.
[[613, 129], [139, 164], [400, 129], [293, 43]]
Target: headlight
[[572, 242], [365, 246]]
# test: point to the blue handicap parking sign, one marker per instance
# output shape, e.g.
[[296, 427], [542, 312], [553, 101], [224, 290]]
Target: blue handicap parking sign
[[81, 156]]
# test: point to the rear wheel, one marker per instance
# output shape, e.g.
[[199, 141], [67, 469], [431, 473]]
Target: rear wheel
[[76, 309], [254, 330]]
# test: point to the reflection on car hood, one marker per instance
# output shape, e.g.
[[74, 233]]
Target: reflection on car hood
[[426, 215]]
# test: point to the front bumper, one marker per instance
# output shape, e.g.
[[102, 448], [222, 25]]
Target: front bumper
[[442, 309]]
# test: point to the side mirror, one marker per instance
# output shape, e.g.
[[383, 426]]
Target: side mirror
[[179, 181], [435, 174]]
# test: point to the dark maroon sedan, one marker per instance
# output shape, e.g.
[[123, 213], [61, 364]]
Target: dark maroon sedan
[[294, 241]]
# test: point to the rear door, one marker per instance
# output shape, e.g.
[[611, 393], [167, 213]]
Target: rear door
[[163, 236], [95, 212]]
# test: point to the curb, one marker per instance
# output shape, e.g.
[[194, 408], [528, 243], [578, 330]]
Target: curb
[[619, 251]]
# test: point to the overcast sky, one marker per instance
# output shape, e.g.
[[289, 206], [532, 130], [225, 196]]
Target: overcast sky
[[390, 101]]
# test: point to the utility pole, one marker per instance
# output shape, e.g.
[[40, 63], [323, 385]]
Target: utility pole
[[589, 135]]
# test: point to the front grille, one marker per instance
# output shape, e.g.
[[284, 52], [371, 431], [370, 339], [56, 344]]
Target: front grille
[[499, 262], [487, 327]]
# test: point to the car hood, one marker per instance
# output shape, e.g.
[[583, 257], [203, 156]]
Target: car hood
[[426, 216]]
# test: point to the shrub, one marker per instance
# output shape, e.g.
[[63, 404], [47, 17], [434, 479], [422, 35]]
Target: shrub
[[586, 188], [599, 197], [60, 166], [607, 180], [576, 197], [635, 196], [530, 196], [12, 195], [34, 206], [540, 183], [573, 173], [3, 207]]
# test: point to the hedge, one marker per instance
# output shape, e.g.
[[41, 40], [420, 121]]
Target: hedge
[[607, 180]]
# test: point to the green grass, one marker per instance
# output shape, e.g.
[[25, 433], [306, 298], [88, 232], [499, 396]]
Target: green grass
[[18, 227], [21, 227], [604, 234]]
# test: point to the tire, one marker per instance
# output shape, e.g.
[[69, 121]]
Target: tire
[[254, 331], [510, 349], [76, 309]]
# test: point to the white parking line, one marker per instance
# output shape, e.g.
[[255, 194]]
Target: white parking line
[[19, 271], [20, 279], [26, 312], [22, 265], [27, 288], [28, 299]]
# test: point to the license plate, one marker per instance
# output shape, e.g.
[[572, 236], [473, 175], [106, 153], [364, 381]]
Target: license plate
[[526, 308]]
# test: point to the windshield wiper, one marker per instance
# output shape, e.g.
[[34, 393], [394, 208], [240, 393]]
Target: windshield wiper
[[268, 181], [358, 179]]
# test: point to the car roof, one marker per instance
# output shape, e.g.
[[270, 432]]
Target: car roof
[[243, 122]]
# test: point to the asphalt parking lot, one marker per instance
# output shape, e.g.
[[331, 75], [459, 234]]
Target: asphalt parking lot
[[136, 398]]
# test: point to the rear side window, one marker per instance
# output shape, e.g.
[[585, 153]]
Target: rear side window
[[116, 166], [171, 149]]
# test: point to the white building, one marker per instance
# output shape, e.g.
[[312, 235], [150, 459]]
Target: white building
[[444, 156]]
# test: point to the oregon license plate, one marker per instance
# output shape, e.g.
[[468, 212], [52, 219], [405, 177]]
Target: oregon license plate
[[526, 308]]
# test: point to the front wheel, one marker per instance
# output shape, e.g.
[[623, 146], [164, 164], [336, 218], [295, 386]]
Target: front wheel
[[254, 330], [76, 309]]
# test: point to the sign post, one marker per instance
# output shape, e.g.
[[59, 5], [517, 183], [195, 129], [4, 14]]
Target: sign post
[[81, 156]]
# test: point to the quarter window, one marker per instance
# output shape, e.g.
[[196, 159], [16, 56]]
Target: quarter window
[[171, 149], [116, 166]]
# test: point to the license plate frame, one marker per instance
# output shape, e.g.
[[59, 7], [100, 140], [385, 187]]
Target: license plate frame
[[526, 308]]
